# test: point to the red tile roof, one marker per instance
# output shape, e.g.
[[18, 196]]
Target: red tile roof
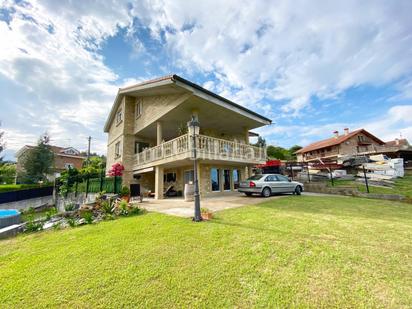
[[336, 141], [399, 142]]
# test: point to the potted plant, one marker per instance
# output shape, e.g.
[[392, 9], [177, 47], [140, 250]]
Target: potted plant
[[206, 213], [125, 193]]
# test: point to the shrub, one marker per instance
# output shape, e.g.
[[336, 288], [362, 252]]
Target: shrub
[[50, 213], [106, 207], [135, 210], [204, 210], [69, 207], [88, 217], [33, 226], [71, 222], [125, 191], [123, 209]]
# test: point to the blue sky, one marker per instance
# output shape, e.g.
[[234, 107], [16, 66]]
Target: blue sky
[[313, 67]]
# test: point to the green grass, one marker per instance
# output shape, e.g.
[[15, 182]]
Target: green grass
[[289, 252], [402, 186], [14, 187]]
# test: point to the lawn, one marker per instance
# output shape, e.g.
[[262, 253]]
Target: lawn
[[288, 252], [402, 186]]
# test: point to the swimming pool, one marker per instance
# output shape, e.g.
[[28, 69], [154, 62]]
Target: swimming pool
[[9, 217]]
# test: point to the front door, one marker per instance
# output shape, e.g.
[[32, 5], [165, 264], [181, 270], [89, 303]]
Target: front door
[[134, 189]]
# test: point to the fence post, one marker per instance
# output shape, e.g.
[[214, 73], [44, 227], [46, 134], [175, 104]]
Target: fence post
[[307, 167], [114, 185], [366, 179], [87, 185], [331, 176], [75, 190], [101, 181]]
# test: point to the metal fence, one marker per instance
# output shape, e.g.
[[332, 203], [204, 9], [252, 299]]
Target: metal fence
[[92, 185], [20, 195]]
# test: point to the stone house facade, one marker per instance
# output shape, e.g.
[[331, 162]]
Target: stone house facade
[[148, 134]]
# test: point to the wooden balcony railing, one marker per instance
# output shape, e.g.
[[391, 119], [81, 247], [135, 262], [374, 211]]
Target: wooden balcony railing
[[207, 147]]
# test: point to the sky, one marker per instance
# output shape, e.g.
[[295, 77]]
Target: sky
[[313, 67]]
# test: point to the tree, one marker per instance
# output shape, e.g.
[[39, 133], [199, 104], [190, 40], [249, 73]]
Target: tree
[[276, 152], [7, 173], [261, 142], [94, 167], [294, 148], [39, 161]]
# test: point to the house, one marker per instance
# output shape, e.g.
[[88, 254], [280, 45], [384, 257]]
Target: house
[[148, 134], [358, 142], [64, 158], [400, 148]]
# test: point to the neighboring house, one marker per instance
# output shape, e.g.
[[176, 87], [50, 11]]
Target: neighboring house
[[64, 157], [147, 133], [400, 148], [349, 143]]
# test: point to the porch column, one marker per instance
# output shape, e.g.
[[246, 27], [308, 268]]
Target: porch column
[[159, 132], [246, 135], [159, 182]]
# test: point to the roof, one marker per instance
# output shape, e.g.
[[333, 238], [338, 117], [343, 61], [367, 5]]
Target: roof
[[337, 140], [398, 142], [174, 79], [56, 150]]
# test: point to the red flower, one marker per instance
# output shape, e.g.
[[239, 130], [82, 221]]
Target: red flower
[[116, 170]]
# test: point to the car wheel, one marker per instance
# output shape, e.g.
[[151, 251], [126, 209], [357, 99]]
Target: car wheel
[[298, 190], [266, 192], [248, 194]]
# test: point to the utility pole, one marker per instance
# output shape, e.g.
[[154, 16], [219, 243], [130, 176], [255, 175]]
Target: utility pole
[[88, 149]]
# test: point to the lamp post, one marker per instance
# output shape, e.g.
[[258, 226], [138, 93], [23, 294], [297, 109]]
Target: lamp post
[[193, 126]]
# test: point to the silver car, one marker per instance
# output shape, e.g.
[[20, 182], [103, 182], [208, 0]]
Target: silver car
[[268, 184]]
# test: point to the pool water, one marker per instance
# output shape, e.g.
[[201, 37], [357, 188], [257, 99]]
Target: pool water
[[8, 212]]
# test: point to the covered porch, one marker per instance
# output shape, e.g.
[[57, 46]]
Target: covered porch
[[169, 180]]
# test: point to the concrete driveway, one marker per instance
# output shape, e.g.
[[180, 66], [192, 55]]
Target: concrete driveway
[[178, 207]]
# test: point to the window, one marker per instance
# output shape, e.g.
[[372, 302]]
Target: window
[[119, 116], [117, 150], [215, 179], [271, 178], [361, 138], [236, 178], [68, 166], [255, 177], [169, 177], [138, 108], [282, 178]]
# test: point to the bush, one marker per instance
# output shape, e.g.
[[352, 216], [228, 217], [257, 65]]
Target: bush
[[123, 208], [88, 217], [106, 207], [71, 222], [69, 207], [50, 213], [135, 211], [125, 191], [33, 226]]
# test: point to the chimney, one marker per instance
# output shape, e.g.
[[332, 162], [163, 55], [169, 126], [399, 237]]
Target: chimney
[[336, 134], [397, 141], [346, 130]]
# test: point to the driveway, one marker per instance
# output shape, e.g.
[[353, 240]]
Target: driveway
[[178, 207]]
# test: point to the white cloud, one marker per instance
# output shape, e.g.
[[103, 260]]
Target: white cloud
[[288, 50], [50, 53]]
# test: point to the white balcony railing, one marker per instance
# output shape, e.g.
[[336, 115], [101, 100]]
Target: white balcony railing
[[207, 147]]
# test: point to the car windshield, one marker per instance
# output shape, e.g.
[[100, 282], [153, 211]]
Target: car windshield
[[255, 177]]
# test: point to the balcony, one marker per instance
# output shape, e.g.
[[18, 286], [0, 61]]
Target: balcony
[[207, 148]]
